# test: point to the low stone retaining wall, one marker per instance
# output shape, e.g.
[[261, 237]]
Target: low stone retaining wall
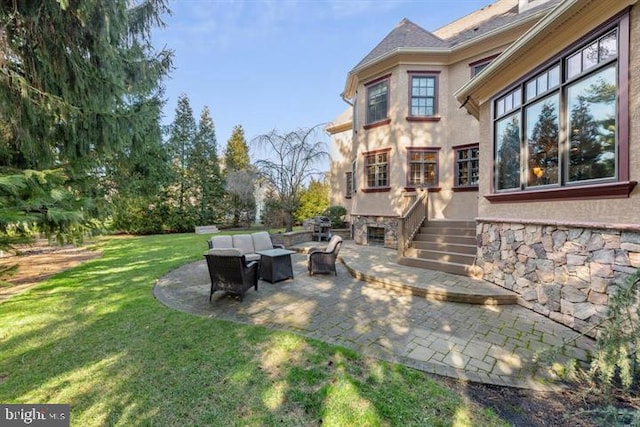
[[296, 237], [292, 238], [566, 273]]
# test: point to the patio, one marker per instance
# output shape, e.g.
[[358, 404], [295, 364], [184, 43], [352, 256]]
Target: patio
[[395, 313]]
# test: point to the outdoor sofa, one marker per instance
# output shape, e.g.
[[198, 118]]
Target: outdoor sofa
[[247, 244]]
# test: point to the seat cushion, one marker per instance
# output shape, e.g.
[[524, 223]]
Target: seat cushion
[[261, 241], [252, 257], [224, 252], [244, 243], [221, 242], [333, 243]]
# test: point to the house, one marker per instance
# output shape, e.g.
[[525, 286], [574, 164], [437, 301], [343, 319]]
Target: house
[[559, 111], [521, 119], [408, 132]]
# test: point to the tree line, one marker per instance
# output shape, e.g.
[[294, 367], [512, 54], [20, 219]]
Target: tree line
[[82, 146]]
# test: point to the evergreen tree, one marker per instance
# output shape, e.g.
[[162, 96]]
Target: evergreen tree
[[543, 147], [79, 80], [604, 93], [137, 179], [584, 145], [205, 170], [509, 155], [314, 200], [236, 156], [180, 148]]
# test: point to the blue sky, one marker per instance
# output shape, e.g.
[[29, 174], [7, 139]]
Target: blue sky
[[280, 64]]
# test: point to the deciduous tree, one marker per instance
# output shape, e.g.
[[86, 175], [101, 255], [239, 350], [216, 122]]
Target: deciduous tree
[[290, 161]]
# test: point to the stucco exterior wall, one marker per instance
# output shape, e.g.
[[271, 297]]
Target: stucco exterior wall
[[565, 258], [601, 211], [341, 157]]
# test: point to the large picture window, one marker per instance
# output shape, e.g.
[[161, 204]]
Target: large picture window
[[560, 128]]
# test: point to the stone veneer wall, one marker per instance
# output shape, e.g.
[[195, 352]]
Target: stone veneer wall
[[390, 225], [566, 273], [292, 238]]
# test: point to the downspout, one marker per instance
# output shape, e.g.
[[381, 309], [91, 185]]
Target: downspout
[[345, 99]]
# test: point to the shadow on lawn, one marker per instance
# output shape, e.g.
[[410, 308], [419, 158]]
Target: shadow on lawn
[[94, 337]]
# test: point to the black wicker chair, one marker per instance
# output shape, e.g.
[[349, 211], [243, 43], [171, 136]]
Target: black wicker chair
[[230, 272], [323, 260]]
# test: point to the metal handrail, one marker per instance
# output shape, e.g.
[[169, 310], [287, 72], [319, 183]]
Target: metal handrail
[[411, 221]]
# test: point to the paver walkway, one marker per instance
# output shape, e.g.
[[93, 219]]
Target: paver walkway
[[493, 344]]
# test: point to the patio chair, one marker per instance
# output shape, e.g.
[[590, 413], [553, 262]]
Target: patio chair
[[323, 260], [229, 271]]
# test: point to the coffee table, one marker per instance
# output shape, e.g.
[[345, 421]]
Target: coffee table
[[275, 265]]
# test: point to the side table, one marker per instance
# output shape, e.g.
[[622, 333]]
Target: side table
[[275, 265]]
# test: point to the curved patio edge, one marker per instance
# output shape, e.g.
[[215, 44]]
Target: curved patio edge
[[489, 344]]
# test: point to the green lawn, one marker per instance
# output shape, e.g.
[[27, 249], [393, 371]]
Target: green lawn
[[94, 337]]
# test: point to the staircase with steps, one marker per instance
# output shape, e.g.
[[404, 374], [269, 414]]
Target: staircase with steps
[[444, 245]]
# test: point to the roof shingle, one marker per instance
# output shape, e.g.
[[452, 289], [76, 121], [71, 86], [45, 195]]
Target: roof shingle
[[409, 35], [405, 35]]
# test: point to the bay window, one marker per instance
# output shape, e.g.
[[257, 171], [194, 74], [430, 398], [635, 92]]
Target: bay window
[[564, 127]]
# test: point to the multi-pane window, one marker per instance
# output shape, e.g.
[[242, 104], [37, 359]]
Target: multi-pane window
[[377, 167], [423, 168], [423, 95], [467, 166], [348, 184], [377, 101], [559, 127]]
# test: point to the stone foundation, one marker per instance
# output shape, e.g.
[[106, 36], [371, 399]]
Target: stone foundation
[[362, 223], [563, 272]]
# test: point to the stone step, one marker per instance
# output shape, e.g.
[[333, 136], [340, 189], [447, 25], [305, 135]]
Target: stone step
[[445, 239], [469, 249], [450, 223], [448, 231], [481, 295], [441, 256]]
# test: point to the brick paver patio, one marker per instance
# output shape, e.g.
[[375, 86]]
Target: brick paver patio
[[493, 344]]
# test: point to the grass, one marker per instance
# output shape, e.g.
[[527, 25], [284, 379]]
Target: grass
[[94, 337]]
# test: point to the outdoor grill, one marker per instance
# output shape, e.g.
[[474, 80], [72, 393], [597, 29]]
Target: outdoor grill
[[321, 227]]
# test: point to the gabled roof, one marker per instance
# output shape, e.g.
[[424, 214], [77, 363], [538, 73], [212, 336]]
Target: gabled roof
[[405, 35]]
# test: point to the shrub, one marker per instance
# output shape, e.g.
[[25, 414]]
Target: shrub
[[336, 215]]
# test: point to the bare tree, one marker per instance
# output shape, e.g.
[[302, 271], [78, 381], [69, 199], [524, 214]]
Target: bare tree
[[290, 162]]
